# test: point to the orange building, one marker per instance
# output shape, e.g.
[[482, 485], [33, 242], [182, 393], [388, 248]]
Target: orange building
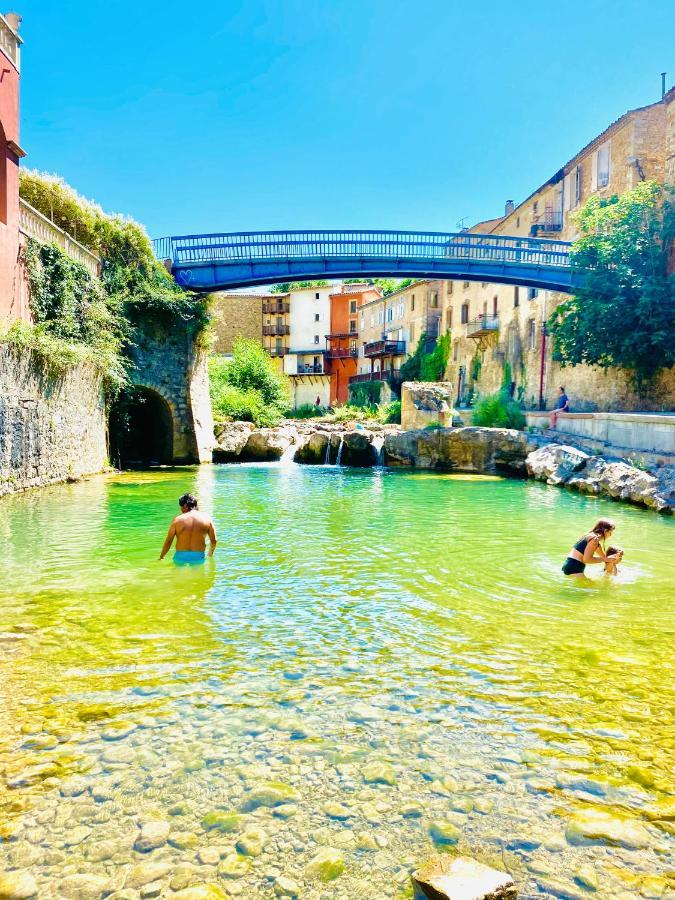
[[342, 347]]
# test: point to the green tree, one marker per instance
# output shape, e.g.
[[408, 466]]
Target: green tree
[[624, 313], [427, 366], [285, 286], [248, 386]]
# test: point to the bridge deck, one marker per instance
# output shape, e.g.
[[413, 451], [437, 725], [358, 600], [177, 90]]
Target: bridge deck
[[227, 261]]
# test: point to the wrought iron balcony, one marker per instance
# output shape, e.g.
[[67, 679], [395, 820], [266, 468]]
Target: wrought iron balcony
[[550, 224], [384, 348], [304, 369], [276, 329], [392, 376], [342, 352], [277, 351], [275, 307], [482, 327], [341, 335]]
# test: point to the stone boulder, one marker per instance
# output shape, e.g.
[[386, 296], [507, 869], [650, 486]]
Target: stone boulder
[[471, 449], [449, 878], [266, 444], [312, 450], [358, 449], [555, 463], [426, 403], [231, 438], [621, 481]]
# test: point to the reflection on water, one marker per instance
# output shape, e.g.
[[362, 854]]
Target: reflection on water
[[377, 664]]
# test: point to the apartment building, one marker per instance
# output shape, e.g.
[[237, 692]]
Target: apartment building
[[499, 331], [308, 320], [342, 342], [391, 327]]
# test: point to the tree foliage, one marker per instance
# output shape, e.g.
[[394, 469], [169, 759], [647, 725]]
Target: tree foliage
[[424, 365], [101, 314], [248, 386], [498, 411], [624, 313]]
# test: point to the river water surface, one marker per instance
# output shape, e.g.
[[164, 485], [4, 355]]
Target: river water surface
[[377, 666]]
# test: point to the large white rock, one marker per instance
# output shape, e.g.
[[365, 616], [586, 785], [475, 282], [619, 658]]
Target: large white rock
[[555, 463], [462, 878]]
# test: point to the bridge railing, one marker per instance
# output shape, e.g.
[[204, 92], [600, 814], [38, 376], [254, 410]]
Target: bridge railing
[[257, 246]]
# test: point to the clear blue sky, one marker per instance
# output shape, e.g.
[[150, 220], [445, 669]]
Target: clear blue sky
[[253, 114]]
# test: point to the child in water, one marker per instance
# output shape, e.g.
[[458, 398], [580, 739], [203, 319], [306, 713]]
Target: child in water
[[613, 558]]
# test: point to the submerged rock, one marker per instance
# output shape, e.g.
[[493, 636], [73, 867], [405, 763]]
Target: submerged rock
[[204, 891], [225, 822], [274, 793], [594, 826], [84, 887], [327, 865], [444, 832], [462, 878], [17, 886], [152, 836], [379, 773]]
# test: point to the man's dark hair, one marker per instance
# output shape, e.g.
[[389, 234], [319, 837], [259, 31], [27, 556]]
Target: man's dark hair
[[188, 501]]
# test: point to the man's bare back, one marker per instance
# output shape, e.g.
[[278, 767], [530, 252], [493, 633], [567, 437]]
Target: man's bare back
[[190, 530]]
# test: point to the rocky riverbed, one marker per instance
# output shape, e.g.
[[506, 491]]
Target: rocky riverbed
[[464, 449]]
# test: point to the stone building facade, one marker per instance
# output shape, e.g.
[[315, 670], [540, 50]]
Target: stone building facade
[[498, 330], [236, 315]]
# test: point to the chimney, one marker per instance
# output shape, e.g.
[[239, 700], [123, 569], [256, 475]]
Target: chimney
[[509, 207], [14, 21]]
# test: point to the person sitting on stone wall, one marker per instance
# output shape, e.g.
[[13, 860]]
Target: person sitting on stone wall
[[562, 405]]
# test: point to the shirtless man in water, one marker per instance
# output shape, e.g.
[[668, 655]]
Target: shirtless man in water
[[189, 529]]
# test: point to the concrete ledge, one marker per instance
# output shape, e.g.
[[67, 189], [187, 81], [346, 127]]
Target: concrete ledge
[[652, 433]]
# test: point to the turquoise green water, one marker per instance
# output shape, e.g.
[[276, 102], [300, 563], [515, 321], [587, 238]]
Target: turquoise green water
[[384, 664]]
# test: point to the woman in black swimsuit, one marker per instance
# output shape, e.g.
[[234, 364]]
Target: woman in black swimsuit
[[589, 549]]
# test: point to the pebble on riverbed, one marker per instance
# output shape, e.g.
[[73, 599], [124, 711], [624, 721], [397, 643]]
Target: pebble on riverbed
[[461, 878]]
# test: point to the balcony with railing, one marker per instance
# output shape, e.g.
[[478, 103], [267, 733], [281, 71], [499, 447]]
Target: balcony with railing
[[275, 307], [277, 328], [384, 348], [277, 351], [550, 223], [392, 376], [33, 224], [342, 352], [482, 327], [309, 369]]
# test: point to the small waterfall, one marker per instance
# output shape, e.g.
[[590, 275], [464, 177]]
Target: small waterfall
[[338, 461], [287, 456], [378, 447], [326, 460]]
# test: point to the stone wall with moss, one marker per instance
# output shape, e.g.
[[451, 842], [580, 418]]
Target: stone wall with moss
[[52, 427]]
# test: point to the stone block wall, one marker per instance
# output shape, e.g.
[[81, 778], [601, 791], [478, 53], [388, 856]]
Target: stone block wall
[[424, 403], [51, 429], [170, 363], [235, 315]]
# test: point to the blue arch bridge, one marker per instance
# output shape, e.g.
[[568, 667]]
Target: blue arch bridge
[[209, 262]]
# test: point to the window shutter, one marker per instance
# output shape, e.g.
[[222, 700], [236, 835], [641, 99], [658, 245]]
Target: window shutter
[[577, 186], [594, 171], [567, 193]]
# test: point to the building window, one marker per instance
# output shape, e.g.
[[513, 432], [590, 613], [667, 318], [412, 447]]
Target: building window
[[412, 303], [535, 207], [517, 221], [465, 285], [532, 334], [317, 317], [602, 163], [317, 295], [495, 305], [278, 345], [532, 293], [352, 326], [434, 300], [465, 313], [483, 285], [448, 318], [450, 285], [3, 176], [352, 347], [577, 186], [390, 314], [516, 296], [352, 306], [316, 338], [455, 351]]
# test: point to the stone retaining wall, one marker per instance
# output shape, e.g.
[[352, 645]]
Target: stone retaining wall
[[51, 429], [615, 433]]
